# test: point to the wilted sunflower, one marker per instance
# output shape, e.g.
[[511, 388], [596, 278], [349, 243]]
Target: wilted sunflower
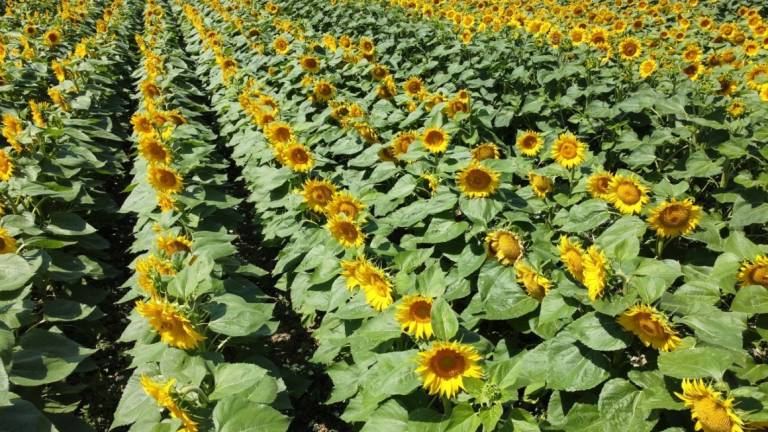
[[651, 326], [323, 91], [414, 87], [599, 184], [754, 272], [297, 157], [174, 328], [387, 88], [529, 143], [445, 365], [345, 231], [171, 244], [505, 246], [541, 185], [164, 179], [477, 181], [318, 193], [162, 393], [153, 151], [709, 410], [6, 166], [7, 243], [310, 63], [675, 218], [571, 254], [415, 316], [568, 150], [630, 48], [279, 132], [595, 272], [647, 68], [343, 203], [536, 285], [627, 194], [485, 151], [435, 139]]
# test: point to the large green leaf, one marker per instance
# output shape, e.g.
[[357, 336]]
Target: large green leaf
[[44, 357], [236, 414]]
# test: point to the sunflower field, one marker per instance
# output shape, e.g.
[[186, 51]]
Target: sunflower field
[[383, 215]]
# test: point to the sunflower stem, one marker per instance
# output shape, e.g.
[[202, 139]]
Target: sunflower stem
[[661, 243], [447, 406]]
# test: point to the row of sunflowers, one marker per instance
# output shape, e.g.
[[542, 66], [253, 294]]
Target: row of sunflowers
[[58, 61], [536, 238]]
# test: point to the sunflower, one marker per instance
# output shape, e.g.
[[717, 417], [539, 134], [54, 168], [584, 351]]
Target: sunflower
[[376, 285], [754, 272], [651, 326], [595, 271], [280, 45], [323, 91], [485, 151], [445, 364], [536, 285], [11, 129], [52, 37], [737, 108], [172, 244], [297, 157], [541, 185], [7, 243], [367, 47], [166, 202], [505, 246], [675, 218], [568, 150], [627, 194], [414, 87], [764, 93], [711, 412], [279, 132], [598, 36], [379, 71], [318, 193], [757, 76], [162, 393], [692, 53], [174, 328], [310, 63], [529, 143], [37, 115], [693, 71], [346, 204], [345, 231], [153, 151], [572, 255], [477, 181], [630, 48], [164, 179], [414, 314], [647, 68], [142, 123], [148, 268], [435, 139], [402, 142], [387, 88], [599, 184], [351, 271], [6, 166]]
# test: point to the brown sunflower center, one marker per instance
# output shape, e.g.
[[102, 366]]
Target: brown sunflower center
[[628, 193], [509, 246], [478, 179], [156, 151], [282, 134], [324, 89], [630, 49], [434, 138], [348, 231], [691, 70], [299, 156], [310, 63], [53, 38], [448, 363], [649, 326], [321, 194], [528, 142], [176, 246], [421, 311], [602, 184], [166, 178], [675, 216], [568, 150], [712, 415], [485, 152], [3, 244], [414, 87], [348, 209], [759, 275]]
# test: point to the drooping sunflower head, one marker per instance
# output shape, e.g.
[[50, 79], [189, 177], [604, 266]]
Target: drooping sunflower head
[[709, 410], [568, 151], [754, 272], [415, 316], [536, 285], [279, 132], [297, 157], [376, 285], [595, 272], [344, 203], [647, 68], [414, 87], [651, 326], [444, 366], [323, 91], [529, 143], [505, 246], [599, 184], [541, 185], [7, 242], [318, 193], [6, 166], [153, 151], [675, 218], [172, 244], [174, 327], [435, 139], [163, 394], [571, 254], [310, 63], [477, 181], [630, 48], [627, 194], [345, 231], [164, 179], [485, 151]]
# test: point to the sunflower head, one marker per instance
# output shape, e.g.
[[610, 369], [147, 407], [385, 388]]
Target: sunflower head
[[414, 315], [402, 142], [647, 68], [344, 203], [435, 140], [153, 151], [754, 272], [630, 48], [693, 71], [164, 179], [414, 87], [529, 143], [599, 184], [675, 218], [173, 244], [279, 132], [536, 285], [345, 231], [651, 326], [379, 71], [595, 272], [163, 394], [280, 45], [505, 246], [541, 185], [52, 37], [376, 285], [142, 124], [297, 157], [571, 254], [318, 193], [485, 151], [709, 410], [444, 366], [627, 194], [7, 242], [310, 63], [174, 328], [6, 166], [568, 151]]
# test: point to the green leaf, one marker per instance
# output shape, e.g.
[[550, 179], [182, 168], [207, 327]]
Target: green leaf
[[698, 362], [231, 315], [69, 224], [573, 366], [751, 299], [444, 321], [66, 310], [44, 357], [235, 378], [717, 327], [652, 277], [583, 217], [619, 406], [599, 332], [236, 414], [443, 230], [393, 374], [621, 241], [480, 210], [23, 416], [15, 272]]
